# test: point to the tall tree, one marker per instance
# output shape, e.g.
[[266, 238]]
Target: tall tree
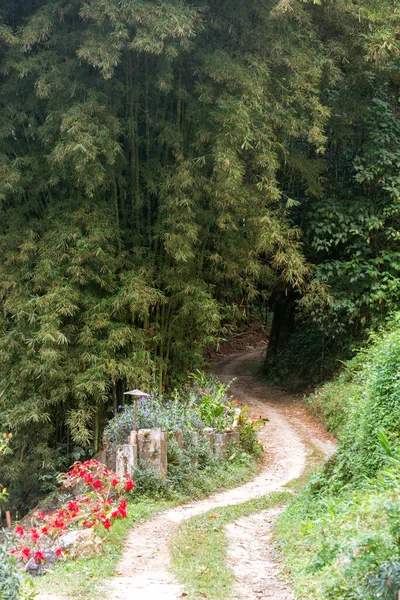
[[347, 200], [152, 156]]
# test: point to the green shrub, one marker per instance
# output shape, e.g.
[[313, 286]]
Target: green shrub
[[341, 537], [194, 471], [205, 403], [10, 577], [361, 402]]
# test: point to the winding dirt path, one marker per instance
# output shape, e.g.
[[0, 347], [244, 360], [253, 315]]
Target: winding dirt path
[[143, 572]]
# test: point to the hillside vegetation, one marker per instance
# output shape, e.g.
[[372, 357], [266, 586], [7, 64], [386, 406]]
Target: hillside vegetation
[[169, 170], [341, 537]]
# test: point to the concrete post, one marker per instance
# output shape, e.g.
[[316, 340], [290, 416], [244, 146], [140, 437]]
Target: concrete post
[[233, 437], [126, 459], [152, 449], [178, 437], [220, 444]]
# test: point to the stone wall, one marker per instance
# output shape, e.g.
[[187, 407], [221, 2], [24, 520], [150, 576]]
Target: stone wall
[[151, 447]]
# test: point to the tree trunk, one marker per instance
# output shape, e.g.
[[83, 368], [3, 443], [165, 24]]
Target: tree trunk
[[284, 307]]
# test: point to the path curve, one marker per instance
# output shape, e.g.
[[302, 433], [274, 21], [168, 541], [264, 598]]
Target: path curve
[[144, 570]]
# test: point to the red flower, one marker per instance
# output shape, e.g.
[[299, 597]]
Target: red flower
[[97, 484], [41, 515], [73, 506], [39, 556], [59, 524], [106, 523], [34, 535], [122, 509], [88, 479], [19, 530], [58, 551], [129, 486], [26, 553], [45, 530], [114, 482]]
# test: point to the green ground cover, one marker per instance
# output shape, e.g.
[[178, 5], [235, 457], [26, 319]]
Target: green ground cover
[[199, 548], [340, 538]]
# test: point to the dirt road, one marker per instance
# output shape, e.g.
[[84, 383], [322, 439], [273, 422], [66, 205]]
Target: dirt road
[[143, 572]]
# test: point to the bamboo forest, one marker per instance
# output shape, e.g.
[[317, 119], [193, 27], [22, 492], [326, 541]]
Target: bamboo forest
[[200, 297]]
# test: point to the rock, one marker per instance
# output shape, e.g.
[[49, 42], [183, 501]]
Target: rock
[[86, 544], [67, 540], [40, 568]]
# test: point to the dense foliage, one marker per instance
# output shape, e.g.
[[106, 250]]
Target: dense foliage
[[204, 403], [140, 208], [341, 536], [349, 209], [10, 577], [167, 167]]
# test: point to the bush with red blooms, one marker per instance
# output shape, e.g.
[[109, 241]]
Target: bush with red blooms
[[100, 501]]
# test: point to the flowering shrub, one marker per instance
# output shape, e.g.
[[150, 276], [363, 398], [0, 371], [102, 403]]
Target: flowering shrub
[[100, 501], [206, 403]]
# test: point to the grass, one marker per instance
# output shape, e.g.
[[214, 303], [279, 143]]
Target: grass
[[335, 549], [314, 459], [199, 548], [340, 538]]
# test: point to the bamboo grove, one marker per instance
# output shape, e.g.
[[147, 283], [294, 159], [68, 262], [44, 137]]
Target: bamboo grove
[[153, 158]]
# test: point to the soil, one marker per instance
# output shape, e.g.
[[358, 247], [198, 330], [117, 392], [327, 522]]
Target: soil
[[144, 569]]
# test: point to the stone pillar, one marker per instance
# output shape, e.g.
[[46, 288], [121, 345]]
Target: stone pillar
[[195, 436], [152, 449], [126, 459], [220, 444], [101, 457], [208, 433], [178, 437], [111, 457]]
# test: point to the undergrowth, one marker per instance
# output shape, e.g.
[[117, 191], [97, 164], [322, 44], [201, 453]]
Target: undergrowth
[[340, 538]]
